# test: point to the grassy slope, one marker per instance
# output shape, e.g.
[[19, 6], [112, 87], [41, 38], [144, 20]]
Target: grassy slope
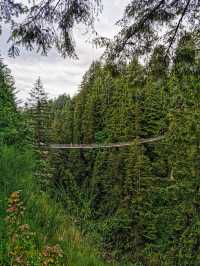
[[46, 218]]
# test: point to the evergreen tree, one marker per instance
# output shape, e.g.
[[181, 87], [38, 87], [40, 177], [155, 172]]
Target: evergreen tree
[[39, 113], [7, 105], [138, 170], [12, 124], [39, 21], [146, 24], [141, 201], [61, 120], [184, 110]]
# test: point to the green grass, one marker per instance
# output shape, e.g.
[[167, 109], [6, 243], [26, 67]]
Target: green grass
[[46, 217]]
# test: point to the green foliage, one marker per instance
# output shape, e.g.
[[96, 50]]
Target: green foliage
[[146, 24], [39, 21], [34, 229], [61, 119], [12, 125], [140, 203], [43, 217], [38, 110], [21, 248]]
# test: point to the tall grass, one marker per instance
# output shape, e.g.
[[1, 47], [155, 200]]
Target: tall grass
[[46, 217]]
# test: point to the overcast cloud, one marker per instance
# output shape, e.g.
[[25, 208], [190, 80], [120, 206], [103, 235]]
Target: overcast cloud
[[62, 75]]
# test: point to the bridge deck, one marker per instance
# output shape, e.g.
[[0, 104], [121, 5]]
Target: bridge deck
[[99, 146]]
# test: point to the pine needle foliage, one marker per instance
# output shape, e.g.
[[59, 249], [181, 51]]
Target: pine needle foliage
[[140, 203]]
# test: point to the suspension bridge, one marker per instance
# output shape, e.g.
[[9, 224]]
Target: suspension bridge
[[102, 145]]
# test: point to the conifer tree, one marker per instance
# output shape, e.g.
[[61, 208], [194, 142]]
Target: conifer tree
[[184, 110], [143, 200], [138, 171], [145, 24], [39, 113], [61, 120], [39, 119], [12, 126]]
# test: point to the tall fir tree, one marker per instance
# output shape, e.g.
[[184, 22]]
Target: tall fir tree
[[38, 110], [39, 113]]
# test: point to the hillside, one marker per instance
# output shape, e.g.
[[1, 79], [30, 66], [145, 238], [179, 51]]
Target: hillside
[[34, 229]]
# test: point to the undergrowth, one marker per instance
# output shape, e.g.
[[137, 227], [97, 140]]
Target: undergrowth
[[34, 229]]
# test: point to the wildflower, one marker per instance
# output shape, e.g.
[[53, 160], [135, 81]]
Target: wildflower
[[24, 227], [52, 254]]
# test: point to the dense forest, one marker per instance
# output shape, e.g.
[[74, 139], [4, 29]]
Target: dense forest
[[129, 206], [136, 205], [139, 202], [35, 229]]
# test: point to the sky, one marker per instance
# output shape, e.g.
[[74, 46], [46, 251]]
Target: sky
[[61, 75]]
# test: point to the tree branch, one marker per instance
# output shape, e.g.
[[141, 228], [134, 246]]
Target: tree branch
[[177, 27], [142, 22]]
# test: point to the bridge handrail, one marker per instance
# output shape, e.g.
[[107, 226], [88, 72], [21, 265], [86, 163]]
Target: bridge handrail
[[103, 145]]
